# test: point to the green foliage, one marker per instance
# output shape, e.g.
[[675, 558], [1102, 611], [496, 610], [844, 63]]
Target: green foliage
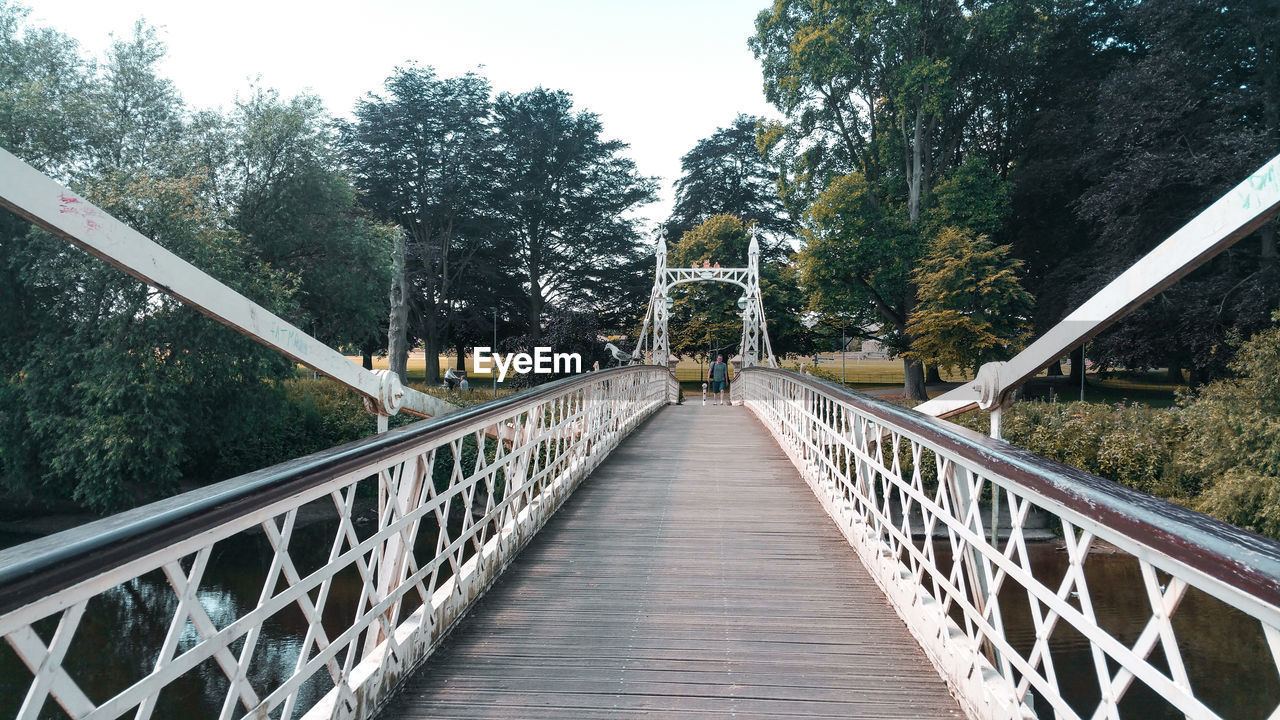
[[726, 173], [567, 197], [45, 106], [112, 398], [113, 392], [1132, 444], [972, 309], [137, 114], [972, 198], [1233, 441], [1245, 498], [857, 259], [274, 164], [1219, 453], [424, 155]]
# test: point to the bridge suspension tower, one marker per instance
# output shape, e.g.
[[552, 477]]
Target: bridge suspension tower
[[755, 333]]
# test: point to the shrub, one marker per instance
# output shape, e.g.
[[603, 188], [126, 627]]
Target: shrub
[[1218, 453]]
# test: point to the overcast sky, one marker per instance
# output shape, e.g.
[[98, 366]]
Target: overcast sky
[[661, 74]]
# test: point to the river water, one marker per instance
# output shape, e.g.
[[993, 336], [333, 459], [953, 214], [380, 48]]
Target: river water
[[122, 629], [1224, 650]]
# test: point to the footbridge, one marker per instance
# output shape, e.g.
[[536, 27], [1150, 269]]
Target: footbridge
[[602, 547]]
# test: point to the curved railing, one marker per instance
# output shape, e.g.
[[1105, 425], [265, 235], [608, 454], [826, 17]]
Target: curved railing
[[906, 490], [371, 551]]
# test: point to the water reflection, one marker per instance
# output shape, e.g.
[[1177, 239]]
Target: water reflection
[[123, 631], [1224, 650]]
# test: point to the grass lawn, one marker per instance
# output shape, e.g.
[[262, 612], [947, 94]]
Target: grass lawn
[[417, 366], [1148, 388]]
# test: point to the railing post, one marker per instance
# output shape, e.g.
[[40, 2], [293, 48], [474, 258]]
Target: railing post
[[997, 414]]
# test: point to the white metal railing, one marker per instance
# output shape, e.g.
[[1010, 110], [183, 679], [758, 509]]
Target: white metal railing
[[894, 479], [455, 499]]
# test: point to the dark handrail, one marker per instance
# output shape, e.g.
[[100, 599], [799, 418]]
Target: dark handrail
[[59, 561], [1237, 557]]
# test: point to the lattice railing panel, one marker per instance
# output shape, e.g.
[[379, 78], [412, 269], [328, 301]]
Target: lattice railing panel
[[908, 492], [348, 566]]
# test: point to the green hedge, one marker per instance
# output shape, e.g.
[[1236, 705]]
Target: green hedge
[[1217, 451]]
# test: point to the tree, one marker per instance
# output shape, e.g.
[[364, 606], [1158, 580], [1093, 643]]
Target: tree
[[138, 112], [124, 390], [273, 167], [1080, 42], [1233, 438], [871, 92], [45, 94], [726, 174], [423, 157], [857, 264], [114, 391], [972, 308], [1192, 110], [566, 195]]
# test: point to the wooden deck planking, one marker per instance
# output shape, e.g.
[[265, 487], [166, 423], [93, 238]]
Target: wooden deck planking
[[694, 574]]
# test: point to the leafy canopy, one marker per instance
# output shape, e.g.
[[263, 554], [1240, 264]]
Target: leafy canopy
[[972, 308]]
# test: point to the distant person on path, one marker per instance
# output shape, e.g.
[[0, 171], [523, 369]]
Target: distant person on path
[[718, 374]]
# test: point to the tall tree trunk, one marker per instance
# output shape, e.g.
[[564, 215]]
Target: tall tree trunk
[[1055, 368], [431, 346], [913, 371], [1077, 365], [462, 353], [366, 359], [535, 310], [1174, 374], [535, 294], [535, 315], [398, 327], [931, 376], [915, 171], [914, 385]]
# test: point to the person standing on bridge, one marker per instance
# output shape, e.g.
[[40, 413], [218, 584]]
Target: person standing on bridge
[[718, 374]]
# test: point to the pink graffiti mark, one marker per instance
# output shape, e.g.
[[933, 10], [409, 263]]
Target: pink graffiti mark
[[75, 206]]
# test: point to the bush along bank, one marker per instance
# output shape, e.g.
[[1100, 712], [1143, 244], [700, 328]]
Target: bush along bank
[[1216, 451]]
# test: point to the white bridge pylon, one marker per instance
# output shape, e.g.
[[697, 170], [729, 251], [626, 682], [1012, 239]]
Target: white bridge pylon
[[754, 331]]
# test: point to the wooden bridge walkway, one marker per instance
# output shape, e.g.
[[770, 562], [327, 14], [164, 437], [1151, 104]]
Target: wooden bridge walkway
[[693, 574]]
